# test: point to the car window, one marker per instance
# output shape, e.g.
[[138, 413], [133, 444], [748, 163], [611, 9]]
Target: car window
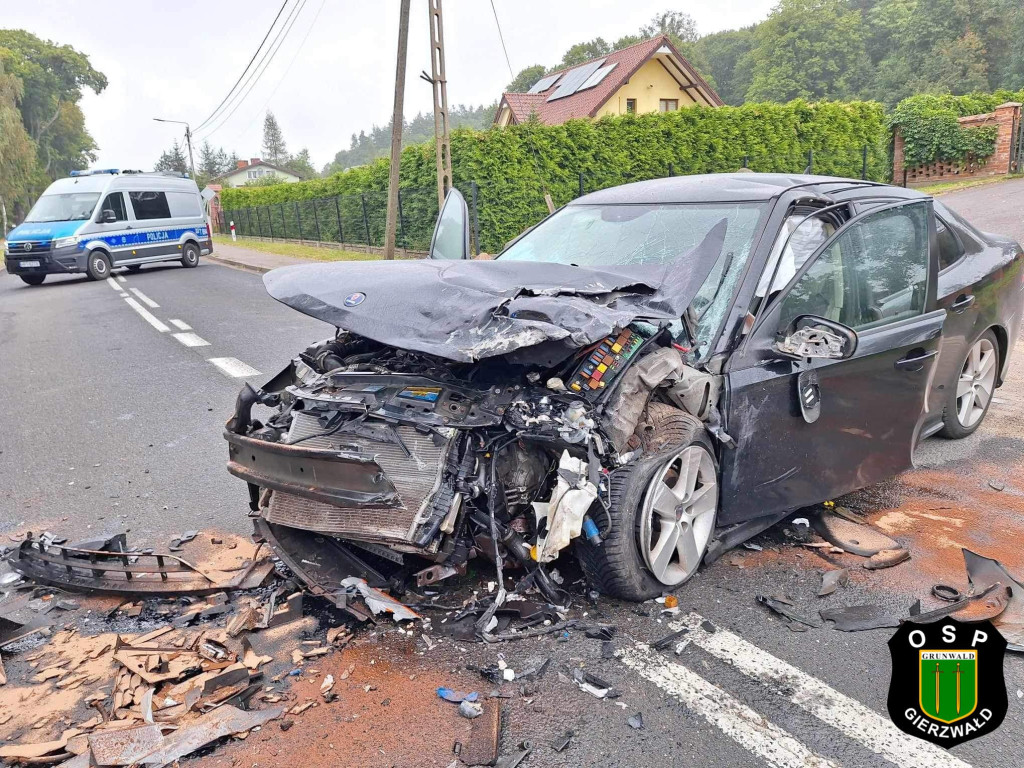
[[150, 205], [184, 204], [450, 233], [876, 272], [950, 249], [799, 237], [114, 202]]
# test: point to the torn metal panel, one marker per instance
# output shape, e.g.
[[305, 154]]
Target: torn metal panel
[[127, 572], [125, 747], [854, 618], [469, 310], [856, 538], [224, 721]]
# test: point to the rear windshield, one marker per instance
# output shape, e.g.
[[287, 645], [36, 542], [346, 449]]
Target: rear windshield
[[73, 206]]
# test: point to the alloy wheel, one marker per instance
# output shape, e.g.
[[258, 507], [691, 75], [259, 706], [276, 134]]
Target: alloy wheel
[[976, 383], [678, 515]]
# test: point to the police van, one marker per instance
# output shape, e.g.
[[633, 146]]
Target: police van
[[99, 220]]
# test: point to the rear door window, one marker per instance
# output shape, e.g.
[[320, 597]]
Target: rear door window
[[150, 205], [115, 202], [184, 205], [950, 249]]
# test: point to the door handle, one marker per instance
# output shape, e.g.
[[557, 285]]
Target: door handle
[[915, 360], [963, 301]]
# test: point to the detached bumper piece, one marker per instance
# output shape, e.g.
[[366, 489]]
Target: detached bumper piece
[[117, 570]]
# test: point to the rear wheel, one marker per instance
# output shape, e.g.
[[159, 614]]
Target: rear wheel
[[971, 393], [98, 266], [662, 511], [190, 255], [33, 279]]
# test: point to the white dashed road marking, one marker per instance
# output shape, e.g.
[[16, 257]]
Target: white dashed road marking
[[181, 325], [233, 367], [144, 298], [191, 340], [750, 730], [857, 721], [148, 316], [114, 285], [121, 279]]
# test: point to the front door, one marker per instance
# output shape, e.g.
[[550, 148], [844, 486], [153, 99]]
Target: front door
[[876, 276]]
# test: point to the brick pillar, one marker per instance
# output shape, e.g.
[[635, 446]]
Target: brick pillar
[[897, 159], [1007, 118]]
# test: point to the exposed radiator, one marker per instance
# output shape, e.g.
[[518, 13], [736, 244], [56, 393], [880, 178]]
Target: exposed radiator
[[416, 478]]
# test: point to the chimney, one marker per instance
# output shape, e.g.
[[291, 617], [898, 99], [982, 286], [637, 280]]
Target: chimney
[[242, 164], [254, 161]]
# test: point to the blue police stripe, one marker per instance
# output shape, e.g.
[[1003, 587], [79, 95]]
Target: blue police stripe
[[136, 239]]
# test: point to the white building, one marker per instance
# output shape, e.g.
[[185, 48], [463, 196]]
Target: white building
[[254, 170]]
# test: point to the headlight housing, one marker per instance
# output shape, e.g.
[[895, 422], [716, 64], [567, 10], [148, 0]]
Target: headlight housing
[[63, 242]]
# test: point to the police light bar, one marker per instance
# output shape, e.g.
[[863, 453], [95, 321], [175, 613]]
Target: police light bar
[[96, 172]]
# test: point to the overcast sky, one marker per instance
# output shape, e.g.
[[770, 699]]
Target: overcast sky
[[333, 74]]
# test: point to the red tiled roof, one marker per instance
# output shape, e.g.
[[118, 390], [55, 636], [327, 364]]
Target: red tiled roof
[[587, 103]]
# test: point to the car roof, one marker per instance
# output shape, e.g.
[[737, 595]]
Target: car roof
[[737, 187]]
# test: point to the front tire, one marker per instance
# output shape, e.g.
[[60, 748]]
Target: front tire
[[190, 255], [663, 509], [98, 266], [971, 392], [33, 279]]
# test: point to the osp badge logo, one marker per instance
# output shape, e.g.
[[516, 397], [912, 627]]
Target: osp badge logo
[[947, 680]]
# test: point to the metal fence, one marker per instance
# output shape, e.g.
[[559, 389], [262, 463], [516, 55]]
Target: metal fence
[[499, 210]]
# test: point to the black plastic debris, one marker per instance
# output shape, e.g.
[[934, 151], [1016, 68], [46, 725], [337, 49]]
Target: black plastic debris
[[854, 618], [795, 621], [563, 741], [601, 632], [594, 685], [665, 642], [946, 592]]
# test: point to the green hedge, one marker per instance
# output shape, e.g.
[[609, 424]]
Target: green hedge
[[514, 166], [931, 131]]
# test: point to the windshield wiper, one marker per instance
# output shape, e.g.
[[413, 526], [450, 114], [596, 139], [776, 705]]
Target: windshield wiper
[[721, 282]]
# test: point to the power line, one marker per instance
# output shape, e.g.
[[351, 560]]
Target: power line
[[262, 65], [269, 30], [283, 76], [502, 38]]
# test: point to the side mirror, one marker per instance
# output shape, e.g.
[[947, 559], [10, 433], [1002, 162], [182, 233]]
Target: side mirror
[[107, 216], [810, 336]]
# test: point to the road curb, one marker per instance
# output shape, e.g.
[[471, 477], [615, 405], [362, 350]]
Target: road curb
[[238, 264]]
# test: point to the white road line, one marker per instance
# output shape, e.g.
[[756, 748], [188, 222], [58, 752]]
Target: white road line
[[233, 367], [830, 706], [147, 315], [767, 741], [191, 340], [145, 299], [114, 285], [181, 325], [121, 279]]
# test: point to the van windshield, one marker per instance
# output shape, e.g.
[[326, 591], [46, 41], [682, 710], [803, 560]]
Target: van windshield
[[75, 206]]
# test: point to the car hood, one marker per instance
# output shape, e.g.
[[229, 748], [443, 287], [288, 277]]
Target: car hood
[[469, 310], [43, 230]]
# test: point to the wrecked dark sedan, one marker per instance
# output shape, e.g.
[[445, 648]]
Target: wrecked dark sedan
[[651, 375]]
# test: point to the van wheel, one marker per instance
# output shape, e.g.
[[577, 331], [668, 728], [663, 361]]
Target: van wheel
[[190, 255], [662, 512], [33, 279], [98, 267]]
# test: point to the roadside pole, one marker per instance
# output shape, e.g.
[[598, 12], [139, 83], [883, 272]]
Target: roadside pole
[[396, 132]]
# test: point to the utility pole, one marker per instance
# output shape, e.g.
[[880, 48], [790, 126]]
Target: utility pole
[[188, 140], [396, 132], [440, 85]]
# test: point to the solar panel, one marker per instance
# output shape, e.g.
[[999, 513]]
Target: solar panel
[[544, 83], [574, 78], [596, 78]]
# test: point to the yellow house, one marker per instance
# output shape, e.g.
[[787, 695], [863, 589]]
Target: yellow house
[[651, 76]]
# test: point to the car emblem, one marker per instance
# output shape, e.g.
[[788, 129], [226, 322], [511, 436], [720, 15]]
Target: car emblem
[[355, 299], [28, 247]]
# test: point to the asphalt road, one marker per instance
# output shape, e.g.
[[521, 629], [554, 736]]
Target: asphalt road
[[111, 423]]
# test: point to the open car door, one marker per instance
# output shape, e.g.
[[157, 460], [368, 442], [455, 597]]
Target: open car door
[[451, 233]]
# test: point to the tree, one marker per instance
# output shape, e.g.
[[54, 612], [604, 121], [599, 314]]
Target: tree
[[17, 150], [274, 149], [727, 56], [52, 79], [526, 79], [301, 165], [679, 26], [809, 49], [172, 160], [583, 52]]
